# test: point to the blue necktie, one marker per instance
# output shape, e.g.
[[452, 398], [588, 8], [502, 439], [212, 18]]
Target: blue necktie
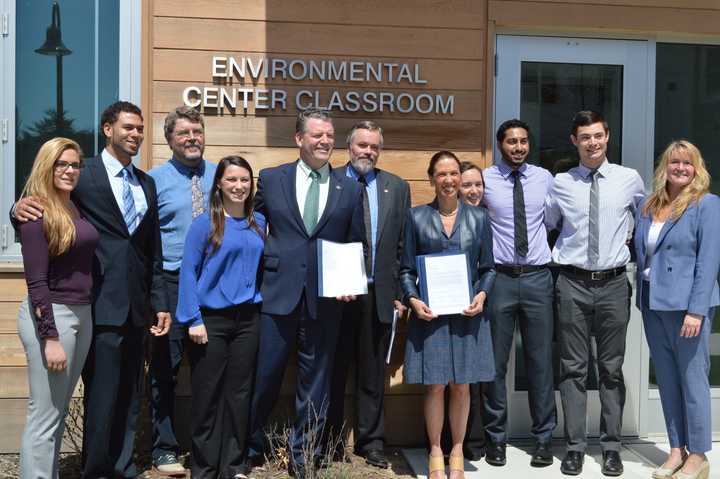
[[129, 213]]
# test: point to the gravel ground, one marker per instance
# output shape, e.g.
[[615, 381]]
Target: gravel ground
[[356, 468]]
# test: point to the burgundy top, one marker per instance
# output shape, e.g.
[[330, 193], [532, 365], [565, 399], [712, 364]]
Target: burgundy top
[[64, 279]]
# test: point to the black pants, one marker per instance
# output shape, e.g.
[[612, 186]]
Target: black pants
[[525, 299], [112, 378], [601, 308], [165, 358], [222, 374], [363, 339]]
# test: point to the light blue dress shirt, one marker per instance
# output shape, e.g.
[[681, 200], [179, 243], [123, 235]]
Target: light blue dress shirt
[[114, 171], [173, 181], [371, 188]]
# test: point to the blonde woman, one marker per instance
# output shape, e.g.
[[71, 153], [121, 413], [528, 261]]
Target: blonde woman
[[678, 260], [54, 322]]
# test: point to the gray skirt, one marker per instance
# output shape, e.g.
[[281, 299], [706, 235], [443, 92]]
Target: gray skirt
[[449, 349]]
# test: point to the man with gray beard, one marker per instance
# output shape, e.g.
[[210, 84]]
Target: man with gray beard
[[365, 326]]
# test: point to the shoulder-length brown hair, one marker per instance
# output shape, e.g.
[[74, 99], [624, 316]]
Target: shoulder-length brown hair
[[58, 223], [217, 212], [698, 187]]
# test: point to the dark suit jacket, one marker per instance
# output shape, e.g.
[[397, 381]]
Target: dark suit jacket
[[290, 259], [393, 195], [424, 234], [127, 275]]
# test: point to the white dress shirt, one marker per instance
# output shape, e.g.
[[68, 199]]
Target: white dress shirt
[[652, 239], [302, 184], [115, 175], [567, 206]]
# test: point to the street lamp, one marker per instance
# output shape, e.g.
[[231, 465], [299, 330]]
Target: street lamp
[[54, 47]]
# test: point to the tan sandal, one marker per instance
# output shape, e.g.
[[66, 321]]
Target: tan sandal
[[457, 463], [435, 464]]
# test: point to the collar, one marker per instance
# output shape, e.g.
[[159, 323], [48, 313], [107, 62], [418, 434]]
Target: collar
[[324, 170], [351, 172], [506, 171], [186, 170], [113, 165], [586, 172]]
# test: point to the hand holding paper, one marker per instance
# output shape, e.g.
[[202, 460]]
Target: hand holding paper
[[477, 306]]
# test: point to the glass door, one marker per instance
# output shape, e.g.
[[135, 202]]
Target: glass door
[[544, 81]]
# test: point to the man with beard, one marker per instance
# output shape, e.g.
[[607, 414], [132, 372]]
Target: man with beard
[[593, 204], [304, 201], [515, 199], [183, 186], [120, 201], [365, 325]]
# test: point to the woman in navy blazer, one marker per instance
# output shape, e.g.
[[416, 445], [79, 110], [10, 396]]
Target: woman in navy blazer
[[678, 259]]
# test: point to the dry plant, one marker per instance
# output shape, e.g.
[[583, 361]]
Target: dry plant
[[73, 434]]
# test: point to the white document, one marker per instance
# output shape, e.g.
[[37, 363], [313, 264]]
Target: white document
[[392, 336], [448, 288], [342, 269]]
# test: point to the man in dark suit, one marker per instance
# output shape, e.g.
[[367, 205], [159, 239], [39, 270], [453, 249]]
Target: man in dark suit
[[303, 201], [365, 326], [121, 203]]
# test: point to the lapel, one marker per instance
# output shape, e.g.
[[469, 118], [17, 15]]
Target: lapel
[[641, 234], [145, 187], [288, 186], [334, 193], [384, 199], [100, 179], [669, 224]]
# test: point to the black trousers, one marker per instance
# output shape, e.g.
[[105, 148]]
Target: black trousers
[[602, 309], [363, 340], [222, 375], [165, 357], [112, 379], [525, 300]]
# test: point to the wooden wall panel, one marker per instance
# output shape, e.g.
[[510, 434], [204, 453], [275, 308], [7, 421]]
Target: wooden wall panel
[[684, 4], [11, 351], [12, 287], [290, 38], [195, 66], [278, 131], [599, 16], [437, 13], [8, 316]]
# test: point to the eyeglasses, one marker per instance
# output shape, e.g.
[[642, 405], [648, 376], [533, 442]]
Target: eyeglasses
[[62, 166]]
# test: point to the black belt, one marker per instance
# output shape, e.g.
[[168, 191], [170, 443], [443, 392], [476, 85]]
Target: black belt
[[517, 269], [600, 275]]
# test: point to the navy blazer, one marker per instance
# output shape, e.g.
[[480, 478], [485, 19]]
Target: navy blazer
[[684, 267], [424, 234], [290, 259]]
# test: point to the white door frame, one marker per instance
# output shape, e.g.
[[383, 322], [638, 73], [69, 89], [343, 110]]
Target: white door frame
[[637, 122]]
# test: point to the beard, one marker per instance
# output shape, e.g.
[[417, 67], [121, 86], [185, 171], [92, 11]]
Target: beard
[[362, 165]]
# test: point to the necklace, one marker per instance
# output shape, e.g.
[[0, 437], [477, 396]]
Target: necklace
[[451, 213]]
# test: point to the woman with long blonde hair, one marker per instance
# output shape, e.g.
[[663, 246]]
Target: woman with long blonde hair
[[677, 266], [54, 322]]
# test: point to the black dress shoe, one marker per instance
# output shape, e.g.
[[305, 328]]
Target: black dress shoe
[[377, 458], [612, 464], [473, 453], [542, 455], [572, 463], [495, 454]]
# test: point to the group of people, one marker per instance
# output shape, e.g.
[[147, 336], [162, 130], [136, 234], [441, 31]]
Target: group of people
[[228, 269]]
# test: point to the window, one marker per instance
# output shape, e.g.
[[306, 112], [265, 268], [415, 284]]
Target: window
[[687, 105], [67, 68]]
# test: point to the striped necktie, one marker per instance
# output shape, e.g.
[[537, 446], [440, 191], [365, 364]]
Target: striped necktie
[[129, 213], [312, 203], [594, 222]]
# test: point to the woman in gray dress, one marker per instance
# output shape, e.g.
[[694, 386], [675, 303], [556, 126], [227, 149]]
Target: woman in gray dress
[[448, 350]]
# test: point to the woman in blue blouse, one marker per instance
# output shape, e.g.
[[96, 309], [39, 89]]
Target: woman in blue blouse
[[219, 296], [450, 351]]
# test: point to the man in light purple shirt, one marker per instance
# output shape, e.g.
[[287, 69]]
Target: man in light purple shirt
[[523, 292]]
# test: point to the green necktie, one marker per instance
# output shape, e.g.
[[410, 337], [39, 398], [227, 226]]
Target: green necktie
[[312, 202]]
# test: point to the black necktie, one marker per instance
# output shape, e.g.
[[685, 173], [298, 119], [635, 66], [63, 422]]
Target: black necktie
[[368, 226], [521, 239]]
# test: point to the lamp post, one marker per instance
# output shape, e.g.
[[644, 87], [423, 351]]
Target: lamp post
[[54, 47]]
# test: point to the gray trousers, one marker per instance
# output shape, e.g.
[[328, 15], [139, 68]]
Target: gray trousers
[[602, 309], [50, 392]]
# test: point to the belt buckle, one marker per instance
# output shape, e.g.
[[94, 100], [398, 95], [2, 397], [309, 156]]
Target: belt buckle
[[596, 275]]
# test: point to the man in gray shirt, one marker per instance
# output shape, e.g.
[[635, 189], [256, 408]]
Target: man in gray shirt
[[593, 206]]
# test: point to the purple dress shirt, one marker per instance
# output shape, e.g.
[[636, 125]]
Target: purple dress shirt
[[498, 199]]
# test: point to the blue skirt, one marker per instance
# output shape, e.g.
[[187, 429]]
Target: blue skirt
[[451, 348]]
